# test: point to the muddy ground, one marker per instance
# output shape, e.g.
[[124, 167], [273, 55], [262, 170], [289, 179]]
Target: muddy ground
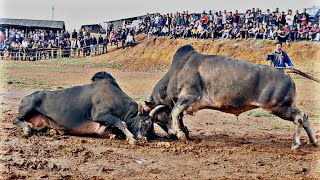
[[222, 147]]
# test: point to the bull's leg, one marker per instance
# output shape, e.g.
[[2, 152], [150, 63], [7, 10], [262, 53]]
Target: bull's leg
[[183, 127], [24, 113], [110, 120], [182, 104], [300, 119], [27, 130]]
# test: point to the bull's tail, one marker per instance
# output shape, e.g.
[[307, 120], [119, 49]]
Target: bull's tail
[[296, 71]]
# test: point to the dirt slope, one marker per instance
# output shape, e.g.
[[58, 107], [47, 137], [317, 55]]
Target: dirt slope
[[157, 53]]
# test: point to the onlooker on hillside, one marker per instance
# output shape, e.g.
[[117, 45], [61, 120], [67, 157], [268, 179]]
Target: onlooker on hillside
[[314, 32], [279, 58]]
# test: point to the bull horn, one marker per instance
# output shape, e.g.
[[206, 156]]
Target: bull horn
[[153, 111]]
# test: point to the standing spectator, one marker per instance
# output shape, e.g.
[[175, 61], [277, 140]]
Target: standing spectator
[[204, 20], [273, 20], [74, 34], [259, 17], [94, 46], [219, 18], [210, 16], [304, 19], [123, 38], [282, 20], [290, 18], [306, 14], [236, 17], [229, 18], [266, 18], [297, 19], [100, 46], [67, 36], [224, 17]]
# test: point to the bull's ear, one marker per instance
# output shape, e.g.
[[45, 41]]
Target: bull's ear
[[147, 103]]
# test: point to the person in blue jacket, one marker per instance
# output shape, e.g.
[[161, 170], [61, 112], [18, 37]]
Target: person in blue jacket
[[279, 58]]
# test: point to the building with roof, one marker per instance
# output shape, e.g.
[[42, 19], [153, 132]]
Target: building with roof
[[31, 24], [94, 28]]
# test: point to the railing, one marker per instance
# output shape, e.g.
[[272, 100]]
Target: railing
[[50, 53]]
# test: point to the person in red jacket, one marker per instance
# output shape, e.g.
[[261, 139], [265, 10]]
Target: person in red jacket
[[204, 20]]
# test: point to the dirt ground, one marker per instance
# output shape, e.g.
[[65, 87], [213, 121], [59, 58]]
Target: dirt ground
[[221, 147]]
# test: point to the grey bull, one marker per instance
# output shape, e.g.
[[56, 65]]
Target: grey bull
[[196, 81], [96, 108]]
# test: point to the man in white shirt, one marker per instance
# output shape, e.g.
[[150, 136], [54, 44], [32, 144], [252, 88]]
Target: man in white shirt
[[25, 43], [289, 18]]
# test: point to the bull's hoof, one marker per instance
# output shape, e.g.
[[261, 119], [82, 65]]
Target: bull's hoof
[[181, 135], [186, 131], [132, 142], [315, 144], [295, 146], [27, 131], [154, 135]]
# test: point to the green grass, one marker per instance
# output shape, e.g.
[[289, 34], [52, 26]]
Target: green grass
[[277, 127], [26, 82], [261, 113]]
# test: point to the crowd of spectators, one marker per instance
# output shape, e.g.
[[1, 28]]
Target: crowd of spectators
[[274, 25], [280, 26], [41, 44]]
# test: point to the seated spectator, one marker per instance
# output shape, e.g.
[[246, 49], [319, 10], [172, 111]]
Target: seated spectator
[[195, 32], [226, 31], [275, 32], [187, 32], [130, 40], [253, 31], [303, 33], [165, 31], [113, 39], [217, 31], [234, 32], [260, 33], [314, 32], [243, 32], [179, 32], [268, 33], [210, 30]]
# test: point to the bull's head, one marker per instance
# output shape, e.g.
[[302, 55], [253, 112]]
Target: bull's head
[[160, 114], [142, 126]]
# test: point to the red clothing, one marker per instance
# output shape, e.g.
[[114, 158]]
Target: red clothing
[[303, 31], [315, 30], [286, 29], [205, 19], [304, 21]]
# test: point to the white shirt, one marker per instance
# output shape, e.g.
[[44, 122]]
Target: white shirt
[[25, 44], [289, 19]]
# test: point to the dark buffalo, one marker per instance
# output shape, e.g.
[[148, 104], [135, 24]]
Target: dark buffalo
[[196, 81], [89, 109]]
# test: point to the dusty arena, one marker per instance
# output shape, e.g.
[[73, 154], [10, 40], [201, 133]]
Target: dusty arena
[[256, 146]]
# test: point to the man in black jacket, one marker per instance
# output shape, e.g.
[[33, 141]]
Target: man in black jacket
[[74, 34]]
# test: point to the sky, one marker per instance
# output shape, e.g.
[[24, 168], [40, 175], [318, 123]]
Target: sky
[[78, 12]]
